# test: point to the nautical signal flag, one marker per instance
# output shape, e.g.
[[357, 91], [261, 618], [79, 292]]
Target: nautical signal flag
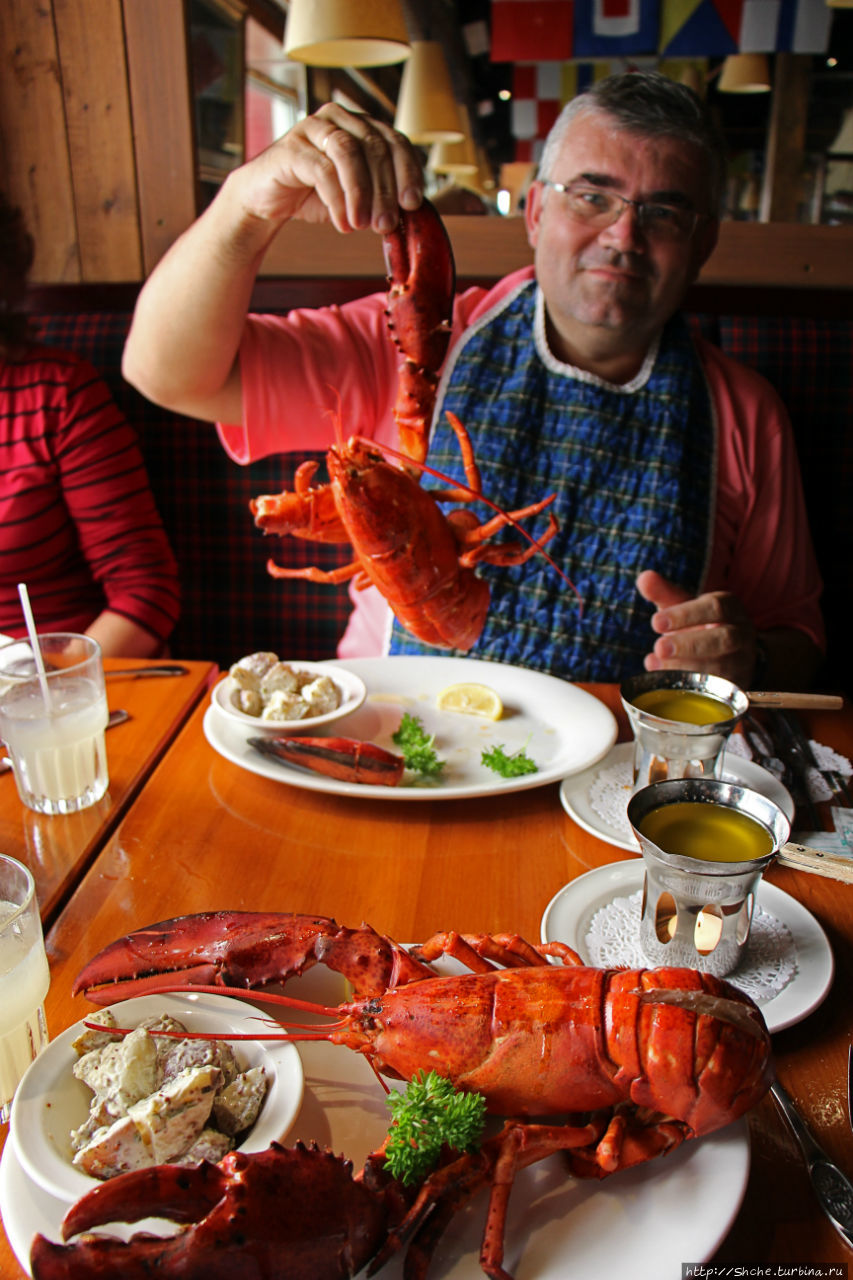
[[716, 28], [560, 30], [532, 30], [615, 28]]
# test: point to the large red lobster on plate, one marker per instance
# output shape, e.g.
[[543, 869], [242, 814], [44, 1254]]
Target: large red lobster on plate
[[609, 1067], [420, 560]]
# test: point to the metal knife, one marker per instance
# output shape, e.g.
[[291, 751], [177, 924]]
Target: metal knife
[[833, 779], [116, 717], [833, 1189], [807, 816], [134, 673]]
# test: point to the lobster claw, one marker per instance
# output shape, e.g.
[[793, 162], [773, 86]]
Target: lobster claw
[[246, 1214], [243, 949], [344, 758], [422, 281]]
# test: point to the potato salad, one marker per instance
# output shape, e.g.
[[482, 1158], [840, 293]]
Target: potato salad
[[159, 1100], [273, 690]]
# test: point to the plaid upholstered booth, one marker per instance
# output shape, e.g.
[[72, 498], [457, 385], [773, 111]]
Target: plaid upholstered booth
[[231, 606]]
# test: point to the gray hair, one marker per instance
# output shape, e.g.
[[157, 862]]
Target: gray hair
[[649, 103]]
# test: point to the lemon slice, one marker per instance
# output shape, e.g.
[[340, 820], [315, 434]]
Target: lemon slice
[[472, 699]]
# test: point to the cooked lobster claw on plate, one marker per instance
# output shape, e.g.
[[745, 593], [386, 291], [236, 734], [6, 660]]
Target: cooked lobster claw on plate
[[344, 758], [261, 1215]]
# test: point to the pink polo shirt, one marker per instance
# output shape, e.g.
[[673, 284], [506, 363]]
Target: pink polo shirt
[[302, 371]]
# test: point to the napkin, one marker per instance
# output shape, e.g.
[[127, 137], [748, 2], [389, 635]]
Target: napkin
[[825, 756], [839, 841]]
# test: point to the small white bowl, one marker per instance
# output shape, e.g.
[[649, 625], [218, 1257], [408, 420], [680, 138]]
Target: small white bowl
[[50, 1101], [353, 692]]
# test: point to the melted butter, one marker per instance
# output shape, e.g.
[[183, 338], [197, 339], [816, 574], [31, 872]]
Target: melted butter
[[683, 705], [707, 832]]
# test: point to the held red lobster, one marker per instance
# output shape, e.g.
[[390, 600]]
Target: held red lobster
[[421, 561], [615, 1066]]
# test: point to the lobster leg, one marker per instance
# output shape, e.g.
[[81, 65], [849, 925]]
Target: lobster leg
[[451, 1187], [312, 574], [481, 952]]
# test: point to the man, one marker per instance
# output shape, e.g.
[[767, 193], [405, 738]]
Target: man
[[679, 500]]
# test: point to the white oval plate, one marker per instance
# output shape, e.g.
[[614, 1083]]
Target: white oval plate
[[575, 793], [570, 912], [353, 693], [680, 1207], [563, 728], [51, 1101]]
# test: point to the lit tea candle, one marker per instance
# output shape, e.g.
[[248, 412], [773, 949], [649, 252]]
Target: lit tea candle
[[707, 933]]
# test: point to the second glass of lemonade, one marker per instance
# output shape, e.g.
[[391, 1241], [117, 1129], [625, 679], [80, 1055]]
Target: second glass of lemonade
[[53, 721]]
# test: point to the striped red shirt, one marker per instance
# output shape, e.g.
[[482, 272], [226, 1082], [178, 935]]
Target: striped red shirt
[[78, 522]]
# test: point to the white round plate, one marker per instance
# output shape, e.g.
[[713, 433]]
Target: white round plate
[[575, 793], [570, 912], [353, 693], [50, 1101], [677, 1208], [561, 727]]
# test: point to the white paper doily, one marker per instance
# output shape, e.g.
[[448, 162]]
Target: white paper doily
[[769, 963], [610, 787], [609, 795]]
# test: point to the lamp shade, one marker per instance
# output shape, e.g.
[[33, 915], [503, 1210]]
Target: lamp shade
[[346, 33], [426, 108], [456, 157], [745, 73]]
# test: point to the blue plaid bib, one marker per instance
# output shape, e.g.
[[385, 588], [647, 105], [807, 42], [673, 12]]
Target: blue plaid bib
[[634, 473]]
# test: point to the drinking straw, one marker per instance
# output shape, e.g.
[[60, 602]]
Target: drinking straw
[[34, 642]]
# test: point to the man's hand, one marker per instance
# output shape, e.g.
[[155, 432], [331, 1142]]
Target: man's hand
[[711, 633], [334, 166], [338, 166]]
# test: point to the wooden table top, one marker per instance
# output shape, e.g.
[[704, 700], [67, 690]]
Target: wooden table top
[[59, 848], [203, 834]]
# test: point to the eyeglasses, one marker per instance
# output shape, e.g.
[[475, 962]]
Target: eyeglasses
[[598, 207]]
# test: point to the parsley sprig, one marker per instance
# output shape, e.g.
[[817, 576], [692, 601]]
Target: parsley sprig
[[512, 766], [417, 747], [428, 1116]]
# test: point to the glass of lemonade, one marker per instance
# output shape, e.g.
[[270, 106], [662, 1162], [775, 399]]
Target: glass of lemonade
[[24, 979], [53, 724]]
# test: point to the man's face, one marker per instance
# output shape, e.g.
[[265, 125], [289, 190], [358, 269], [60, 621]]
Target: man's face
[[614, 287]]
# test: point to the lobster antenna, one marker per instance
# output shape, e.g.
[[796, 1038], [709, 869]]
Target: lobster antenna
[[336, 415], [268, 997], [479, 497]]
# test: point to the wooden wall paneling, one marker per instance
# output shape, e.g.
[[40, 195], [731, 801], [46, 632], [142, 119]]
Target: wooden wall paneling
[[100, 142], [782, 190], [161, 102], [777, 254], [34, 161]]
